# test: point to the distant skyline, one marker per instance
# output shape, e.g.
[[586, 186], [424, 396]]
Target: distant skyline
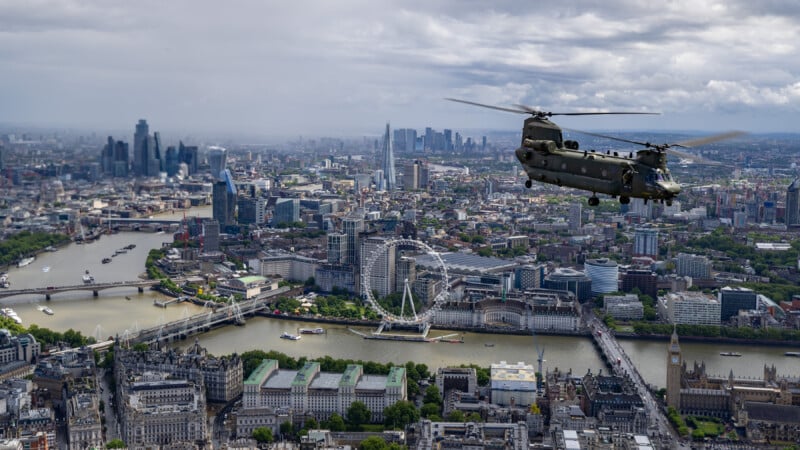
[[345, 68]]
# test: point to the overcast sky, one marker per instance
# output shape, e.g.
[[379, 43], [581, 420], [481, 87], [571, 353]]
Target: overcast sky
[[346, 67]]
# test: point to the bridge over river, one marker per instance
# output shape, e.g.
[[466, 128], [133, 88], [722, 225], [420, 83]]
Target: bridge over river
[[218, 315], [94, 288]]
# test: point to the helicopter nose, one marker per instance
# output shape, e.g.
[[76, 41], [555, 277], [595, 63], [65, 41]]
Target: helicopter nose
[[670, 187]]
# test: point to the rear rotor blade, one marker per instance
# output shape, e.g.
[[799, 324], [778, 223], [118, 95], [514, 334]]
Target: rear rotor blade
[[708, 139]]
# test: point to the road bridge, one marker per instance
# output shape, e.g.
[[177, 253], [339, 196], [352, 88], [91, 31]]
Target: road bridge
[[614, 354], [94, 288]]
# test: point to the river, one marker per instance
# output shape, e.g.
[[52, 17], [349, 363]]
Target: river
[[111, 313]]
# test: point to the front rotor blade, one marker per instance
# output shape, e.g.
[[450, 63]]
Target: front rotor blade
[[613, 138], [499, 108]]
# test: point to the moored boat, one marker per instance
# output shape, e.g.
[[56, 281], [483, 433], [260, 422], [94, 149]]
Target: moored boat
[[318, 330], [11, 314], [795, 354], [106, 260], [4, 283], [291, 337], [730, 354], [26, 261]]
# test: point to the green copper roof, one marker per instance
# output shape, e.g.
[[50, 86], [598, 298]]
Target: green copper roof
[[396, 377], [266, 366]]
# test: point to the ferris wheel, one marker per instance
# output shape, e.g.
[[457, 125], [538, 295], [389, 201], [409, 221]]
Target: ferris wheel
[[408, 316]]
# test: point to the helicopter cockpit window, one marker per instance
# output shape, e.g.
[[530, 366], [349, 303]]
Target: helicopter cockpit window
[[659, 175]]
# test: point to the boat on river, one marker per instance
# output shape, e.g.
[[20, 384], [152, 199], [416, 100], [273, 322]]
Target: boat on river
[[46, 269], [26, 261], [737, 354], [87, 278], [11, 314], [106, 260], [4, 283], [291, 337], [45, 310], [794, 354], [317, 330]]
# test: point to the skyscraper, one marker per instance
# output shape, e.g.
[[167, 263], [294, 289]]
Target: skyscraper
[[188, 155], [352, 226], [224, 200], [140, 156], [388, 161], [217, 160], [793, 204]]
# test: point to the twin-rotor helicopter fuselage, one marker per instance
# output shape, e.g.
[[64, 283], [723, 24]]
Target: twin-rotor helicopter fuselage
[[547, 158]]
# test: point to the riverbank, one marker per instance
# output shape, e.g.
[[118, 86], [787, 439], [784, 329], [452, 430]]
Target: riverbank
[[707, 340]]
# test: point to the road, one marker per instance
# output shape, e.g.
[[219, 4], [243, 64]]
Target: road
[[660, 428]]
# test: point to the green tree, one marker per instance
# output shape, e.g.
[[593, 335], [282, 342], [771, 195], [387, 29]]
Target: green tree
[[373, 443], [432, 395], [474, 417], [455, 416], [358, 414], [400, 414], [336, 423], [430, 409], [311, 424], [263, 435], [287, 430], [115, 443]]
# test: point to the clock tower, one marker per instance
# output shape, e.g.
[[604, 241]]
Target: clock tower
[[674, 372]]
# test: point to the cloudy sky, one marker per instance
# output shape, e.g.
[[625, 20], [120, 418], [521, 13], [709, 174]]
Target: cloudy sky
[[346, 67]]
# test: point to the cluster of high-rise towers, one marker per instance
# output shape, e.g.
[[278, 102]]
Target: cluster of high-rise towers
[[150, 158]]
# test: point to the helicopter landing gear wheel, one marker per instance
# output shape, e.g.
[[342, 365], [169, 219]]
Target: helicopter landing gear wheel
[[528, 183], [624, 200], [594, 201]]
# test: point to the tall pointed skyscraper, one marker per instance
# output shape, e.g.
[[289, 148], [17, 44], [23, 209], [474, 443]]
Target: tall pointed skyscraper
[[389, 174]]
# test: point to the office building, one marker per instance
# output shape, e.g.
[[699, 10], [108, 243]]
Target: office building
[[171, 162], [565, 279], [309, 390], [210, 236], [337, 248], [158, 410], [221, 376], [793, 204], [223, 206], [644, 280], [353, 227], [513, 384], [574, 220], [217, 161], [382, 275], [387, 165], [645, 242], [694, 266], [188, 156], [604, 274], [287, 211], [734, 299], [140, 145], [115, 158], [624, 307], [529, 277], [691, 308], [415, 176], [251, 210]]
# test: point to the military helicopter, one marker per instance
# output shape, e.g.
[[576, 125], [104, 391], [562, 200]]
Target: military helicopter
[[547, 158]]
